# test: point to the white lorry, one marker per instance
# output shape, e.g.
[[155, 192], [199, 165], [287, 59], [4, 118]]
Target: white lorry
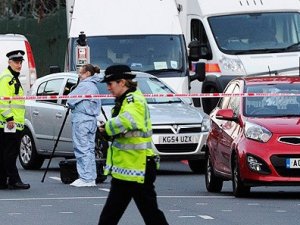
[[146, 35], [240, 37]]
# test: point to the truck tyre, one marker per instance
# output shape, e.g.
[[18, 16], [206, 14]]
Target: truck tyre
[[28, 156]]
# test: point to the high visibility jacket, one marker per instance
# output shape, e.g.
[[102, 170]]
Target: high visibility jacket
[[14, 109], [131, 130]]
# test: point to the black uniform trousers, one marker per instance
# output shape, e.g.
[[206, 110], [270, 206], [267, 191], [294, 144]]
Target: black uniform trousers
[[9, 150], [144, 195]]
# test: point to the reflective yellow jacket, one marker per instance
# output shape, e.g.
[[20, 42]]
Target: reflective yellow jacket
[[12, 108], [131, 144]]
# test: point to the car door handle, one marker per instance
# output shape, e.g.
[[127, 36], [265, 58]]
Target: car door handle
[[58, 115], [35, 113]]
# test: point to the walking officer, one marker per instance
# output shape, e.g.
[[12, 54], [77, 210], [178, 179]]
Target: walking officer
[[130, 160], [12, 116]]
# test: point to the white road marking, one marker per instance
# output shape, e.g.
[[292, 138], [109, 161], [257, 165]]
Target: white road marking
[[206, 217], [66, 212], [104, 189], [280, 211], [253, 204], [98, 204], [11, 214], [201, 203], [226, 210], [46, 205], [174, 210], [104, 197]]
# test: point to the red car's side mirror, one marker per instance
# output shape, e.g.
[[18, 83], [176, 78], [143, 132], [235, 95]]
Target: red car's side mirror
[[226, 114]]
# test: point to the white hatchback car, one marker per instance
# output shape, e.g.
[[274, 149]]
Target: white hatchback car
[[179, 129]]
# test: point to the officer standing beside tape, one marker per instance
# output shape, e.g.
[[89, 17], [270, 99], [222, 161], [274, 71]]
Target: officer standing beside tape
[[130, 159], [12, 117]]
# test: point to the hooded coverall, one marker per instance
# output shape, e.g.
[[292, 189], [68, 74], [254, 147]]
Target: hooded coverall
[[84, 126]]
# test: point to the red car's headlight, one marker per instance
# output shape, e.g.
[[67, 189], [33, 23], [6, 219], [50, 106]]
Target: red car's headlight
[[257, 132]]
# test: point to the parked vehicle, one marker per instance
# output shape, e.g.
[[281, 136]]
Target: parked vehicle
[[255, 141], [10, 42], [179, 129], [237, 38], [145, 35]]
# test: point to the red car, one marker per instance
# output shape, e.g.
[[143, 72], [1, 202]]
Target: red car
[[255, 141]]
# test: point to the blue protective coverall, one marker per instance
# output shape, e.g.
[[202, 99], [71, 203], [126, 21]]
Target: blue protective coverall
[[84, 126]]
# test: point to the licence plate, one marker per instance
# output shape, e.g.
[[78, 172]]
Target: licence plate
[[293, 163], [178, 139]]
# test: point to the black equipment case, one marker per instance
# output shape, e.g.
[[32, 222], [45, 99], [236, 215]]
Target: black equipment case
[[68, 171]]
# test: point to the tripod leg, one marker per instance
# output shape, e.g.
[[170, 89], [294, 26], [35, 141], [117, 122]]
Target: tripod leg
[[55, 145]]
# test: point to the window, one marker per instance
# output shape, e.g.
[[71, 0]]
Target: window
[[51, 87]]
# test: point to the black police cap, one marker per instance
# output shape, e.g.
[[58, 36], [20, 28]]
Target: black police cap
[[16, 55], [117, 72]]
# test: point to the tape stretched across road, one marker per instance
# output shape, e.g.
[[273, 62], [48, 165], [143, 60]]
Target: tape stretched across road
[[170, 95]]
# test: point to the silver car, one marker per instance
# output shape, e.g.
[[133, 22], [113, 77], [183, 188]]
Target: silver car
[[179, 129]]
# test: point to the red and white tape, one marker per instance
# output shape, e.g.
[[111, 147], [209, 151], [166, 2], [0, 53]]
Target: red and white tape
[[170, 95]]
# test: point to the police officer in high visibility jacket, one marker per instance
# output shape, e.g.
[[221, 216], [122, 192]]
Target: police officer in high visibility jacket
[[12, 114], [130, 158]]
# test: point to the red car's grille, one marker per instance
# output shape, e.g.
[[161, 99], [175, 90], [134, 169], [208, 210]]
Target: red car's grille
[[290, 140], [279, 163]]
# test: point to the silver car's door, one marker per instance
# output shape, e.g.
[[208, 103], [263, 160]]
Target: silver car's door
[[44, 112], [65, 144]]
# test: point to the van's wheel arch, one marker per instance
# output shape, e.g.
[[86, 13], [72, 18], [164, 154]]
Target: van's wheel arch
[[28, 156]]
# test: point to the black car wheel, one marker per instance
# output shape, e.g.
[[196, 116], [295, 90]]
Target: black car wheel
[[212, 182], [28, 156], [239, 189]]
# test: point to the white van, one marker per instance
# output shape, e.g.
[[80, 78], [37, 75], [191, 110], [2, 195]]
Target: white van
[[146, 35], [10, 42], [240, 37]]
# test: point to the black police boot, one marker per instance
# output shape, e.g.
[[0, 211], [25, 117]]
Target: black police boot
[[18, 185]]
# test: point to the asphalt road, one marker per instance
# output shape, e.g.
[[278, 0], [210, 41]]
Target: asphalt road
[[181, 195]]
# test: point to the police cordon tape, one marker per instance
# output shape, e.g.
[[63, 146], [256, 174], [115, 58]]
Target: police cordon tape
[[168, 95]]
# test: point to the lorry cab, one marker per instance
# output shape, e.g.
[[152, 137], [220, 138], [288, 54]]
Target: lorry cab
[[237, 38], [145, 35]]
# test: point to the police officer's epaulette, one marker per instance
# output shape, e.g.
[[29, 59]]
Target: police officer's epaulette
[[129, 98]]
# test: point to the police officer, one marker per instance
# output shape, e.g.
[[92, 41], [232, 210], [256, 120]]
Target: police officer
[[12, 116], [130, 158]]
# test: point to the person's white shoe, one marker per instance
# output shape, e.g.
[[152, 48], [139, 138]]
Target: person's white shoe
[[75, 182], [81, 183]]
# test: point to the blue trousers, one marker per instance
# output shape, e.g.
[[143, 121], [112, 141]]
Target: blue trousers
[[83, 133]]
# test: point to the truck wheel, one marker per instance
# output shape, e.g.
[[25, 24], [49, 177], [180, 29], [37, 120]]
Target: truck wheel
[[197, 166], [212, 182], [210, 103], [28, 156]]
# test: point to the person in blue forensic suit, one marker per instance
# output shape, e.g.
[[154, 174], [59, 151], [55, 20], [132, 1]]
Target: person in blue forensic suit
[[84, 125]]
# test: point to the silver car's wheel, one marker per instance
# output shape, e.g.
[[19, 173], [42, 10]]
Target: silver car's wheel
[[28, 155], [212, 182]]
